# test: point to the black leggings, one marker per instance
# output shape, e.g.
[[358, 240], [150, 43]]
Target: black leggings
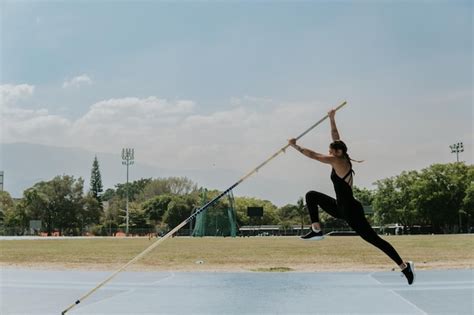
[[353, 214]]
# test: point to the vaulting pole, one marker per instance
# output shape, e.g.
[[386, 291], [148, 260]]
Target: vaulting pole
[[179, 226]]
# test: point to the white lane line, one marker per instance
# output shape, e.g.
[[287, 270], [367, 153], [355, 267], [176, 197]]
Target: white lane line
[[128, 291], [61, 284], [171, 276], [437, 289], [88, 305], [408, 302], [371, 276], [396, 294]]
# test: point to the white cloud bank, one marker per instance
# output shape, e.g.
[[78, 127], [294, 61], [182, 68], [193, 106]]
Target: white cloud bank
[[10, 93], [19, 123], [77, 81], [175, 134], [172, 134]]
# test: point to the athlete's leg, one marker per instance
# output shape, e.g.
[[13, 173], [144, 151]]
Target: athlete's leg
[[325, 202], [358, 222], [314, 200]]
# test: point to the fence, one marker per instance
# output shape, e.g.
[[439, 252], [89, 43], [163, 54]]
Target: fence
[[244, 231]]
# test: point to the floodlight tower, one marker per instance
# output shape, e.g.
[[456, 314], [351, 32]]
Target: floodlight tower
[[457, 148], [128, 155]]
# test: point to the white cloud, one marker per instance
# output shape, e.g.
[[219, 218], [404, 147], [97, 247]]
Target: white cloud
[[77, 81], [251, 100], [36, 126], [10, 93], [167, 133], [29, 125], [112, 123], [175, 134]]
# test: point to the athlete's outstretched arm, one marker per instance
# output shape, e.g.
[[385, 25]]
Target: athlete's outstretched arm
[[334, 132], [328, 159]]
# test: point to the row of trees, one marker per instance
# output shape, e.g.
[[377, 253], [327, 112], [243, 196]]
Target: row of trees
[[60, 204], [440, 196]]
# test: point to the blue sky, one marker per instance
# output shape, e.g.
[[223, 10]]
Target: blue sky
[[226, 83]]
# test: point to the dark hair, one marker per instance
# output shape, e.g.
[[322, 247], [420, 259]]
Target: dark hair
[[340, 145]]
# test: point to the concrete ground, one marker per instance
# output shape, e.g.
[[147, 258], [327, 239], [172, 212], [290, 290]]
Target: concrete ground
[[26, 291]]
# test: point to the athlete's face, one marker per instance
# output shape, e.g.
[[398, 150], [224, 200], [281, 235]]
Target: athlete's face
[[335, 152]]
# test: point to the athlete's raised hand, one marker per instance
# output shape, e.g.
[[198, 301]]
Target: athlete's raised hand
[[332, 114]]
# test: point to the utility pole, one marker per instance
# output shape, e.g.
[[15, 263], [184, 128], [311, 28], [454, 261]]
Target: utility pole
[[127, 159], [457, 148]]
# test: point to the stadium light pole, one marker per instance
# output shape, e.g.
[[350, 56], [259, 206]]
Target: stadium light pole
[[128, 155], [457, 148]]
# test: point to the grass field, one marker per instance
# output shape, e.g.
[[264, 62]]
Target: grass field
[[344, 253]]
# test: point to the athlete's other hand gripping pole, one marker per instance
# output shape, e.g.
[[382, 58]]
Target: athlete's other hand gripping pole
[[177, 228]]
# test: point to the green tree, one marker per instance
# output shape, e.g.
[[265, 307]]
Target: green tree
[[138, 223], [6, 201], [156, 207], [434, 196], [57, 203], [293, 214], [113, 214], [394, 200], [168, 186], [440, 194], [14, 220], [108, 194], [179, 209], [135, 188], [365, 196], [468, 205], [407, 212], [91, 213], [386, 200], [329, 222], [302, 212], [270, 211], [6, 204], [288, 213], [38, 201], [96, 187]]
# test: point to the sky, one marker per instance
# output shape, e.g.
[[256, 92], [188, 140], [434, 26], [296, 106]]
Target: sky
[[219, 86]]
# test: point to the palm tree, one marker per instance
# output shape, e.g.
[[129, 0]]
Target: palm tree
[[301, 209]]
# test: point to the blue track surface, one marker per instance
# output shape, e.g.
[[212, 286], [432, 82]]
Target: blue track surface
[[50, 292]]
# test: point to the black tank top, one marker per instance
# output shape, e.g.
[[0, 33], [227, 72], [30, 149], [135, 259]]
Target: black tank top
[[342, 188]]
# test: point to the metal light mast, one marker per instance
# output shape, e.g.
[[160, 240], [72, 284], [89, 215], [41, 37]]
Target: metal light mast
[[127, 159], [457, 148]]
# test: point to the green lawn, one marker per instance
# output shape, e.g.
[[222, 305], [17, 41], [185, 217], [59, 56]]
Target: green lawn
[[245, 254]]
